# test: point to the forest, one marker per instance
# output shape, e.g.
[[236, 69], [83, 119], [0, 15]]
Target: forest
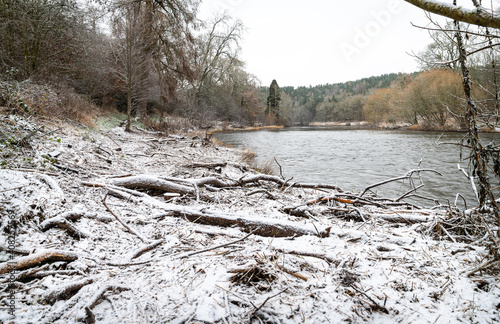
[[149, 59], [163, 67], [151, 220]]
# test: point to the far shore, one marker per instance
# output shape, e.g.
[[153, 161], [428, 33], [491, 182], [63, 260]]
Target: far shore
[[388, 126], [415, 127]]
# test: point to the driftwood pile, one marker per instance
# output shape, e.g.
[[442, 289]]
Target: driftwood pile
[[126, 228]]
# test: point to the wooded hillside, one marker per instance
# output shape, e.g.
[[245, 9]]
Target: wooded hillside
[[330, 102]]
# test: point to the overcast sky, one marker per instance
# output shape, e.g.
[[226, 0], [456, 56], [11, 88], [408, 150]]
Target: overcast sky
[[314, 42]]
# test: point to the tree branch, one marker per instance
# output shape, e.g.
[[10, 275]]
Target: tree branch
[[479, 16]]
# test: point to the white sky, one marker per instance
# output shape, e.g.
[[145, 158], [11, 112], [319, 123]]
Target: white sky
[[314, 42]]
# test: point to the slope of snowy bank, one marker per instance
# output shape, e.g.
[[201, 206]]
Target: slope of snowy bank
[[87, 251]]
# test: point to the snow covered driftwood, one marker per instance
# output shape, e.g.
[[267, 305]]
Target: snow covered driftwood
[[258, 225], [36, 259]]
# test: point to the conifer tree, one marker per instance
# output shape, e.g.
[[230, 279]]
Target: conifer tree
[[273, 100]]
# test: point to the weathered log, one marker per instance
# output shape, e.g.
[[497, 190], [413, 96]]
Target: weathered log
[[152, 182], [206, 165], [308, 254], [259, 225], [172, 184], [65, 291], [37, 259], [25, 274], [399, 218], [61, 222]]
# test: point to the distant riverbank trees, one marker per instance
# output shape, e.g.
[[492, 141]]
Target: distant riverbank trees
[[432, 99], [329, 102]]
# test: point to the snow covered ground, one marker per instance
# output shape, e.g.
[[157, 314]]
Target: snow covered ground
[[99, 270]]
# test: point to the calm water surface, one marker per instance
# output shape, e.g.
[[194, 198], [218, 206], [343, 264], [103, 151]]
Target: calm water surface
[[355, 158]]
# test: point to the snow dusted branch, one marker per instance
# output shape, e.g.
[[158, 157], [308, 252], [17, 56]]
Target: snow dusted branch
[[37, 259], [479, 16]]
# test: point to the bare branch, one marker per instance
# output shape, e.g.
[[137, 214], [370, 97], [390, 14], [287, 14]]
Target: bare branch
[[479, 16]]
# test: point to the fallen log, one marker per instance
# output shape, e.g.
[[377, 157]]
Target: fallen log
[[25, 274], [258, 225], [36, 259], [61, 222], [205, 165], [65, 291], [409, 219], [152, 182], [188, 186]]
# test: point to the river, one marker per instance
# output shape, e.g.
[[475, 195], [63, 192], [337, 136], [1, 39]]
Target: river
[[354, 158]]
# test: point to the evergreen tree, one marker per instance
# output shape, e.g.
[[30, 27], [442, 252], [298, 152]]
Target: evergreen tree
[[273, 100]]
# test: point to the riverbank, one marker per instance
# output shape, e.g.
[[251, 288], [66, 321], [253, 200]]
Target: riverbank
[[232, 128], [448, 127], [117, 227]]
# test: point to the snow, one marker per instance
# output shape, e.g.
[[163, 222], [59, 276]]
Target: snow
[[379, 272]]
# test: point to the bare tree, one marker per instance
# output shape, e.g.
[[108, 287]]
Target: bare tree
[[216, 59], [480, 155], [128, 53], [40, 36]]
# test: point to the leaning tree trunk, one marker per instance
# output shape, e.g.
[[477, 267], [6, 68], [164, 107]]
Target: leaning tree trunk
[[477, 155]]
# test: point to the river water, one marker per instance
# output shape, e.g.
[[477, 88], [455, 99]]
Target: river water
[[354, 158]]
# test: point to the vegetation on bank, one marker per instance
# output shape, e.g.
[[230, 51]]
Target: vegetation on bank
[[156, 62]]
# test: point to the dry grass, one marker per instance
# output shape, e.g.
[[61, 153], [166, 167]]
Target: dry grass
[[266, 167], [29, 98], [248, 156]]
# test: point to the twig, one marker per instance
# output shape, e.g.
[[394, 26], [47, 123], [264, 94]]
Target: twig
[[447, 233], [409, 192], [406, 176], [281, 169], [145, 249], [376, 306], [121, 222], [265, 301], [66, 168], [13, 188], [218, 246], [307, 254], [295, 274], [484, 266]]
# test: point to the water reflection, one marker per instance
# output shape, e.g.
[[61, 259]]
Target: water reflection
[[355, 158]]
